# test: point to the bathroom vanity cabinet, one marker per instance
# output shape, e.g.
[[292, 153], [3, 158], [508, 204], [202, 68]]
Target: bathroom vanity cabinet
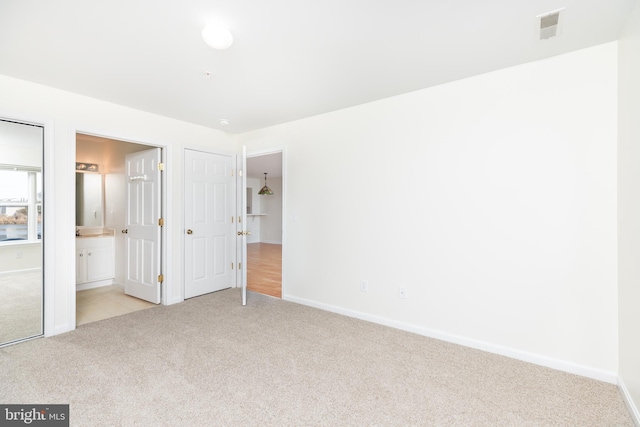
[[95, 259]]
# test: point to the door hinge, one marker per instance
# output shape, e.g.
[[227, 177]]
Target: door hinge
[[161, 278], [231, 172], [231, 220], [160, 166], [239, 266], [239, 172], [161, 222], [232, 266], [239, 219]]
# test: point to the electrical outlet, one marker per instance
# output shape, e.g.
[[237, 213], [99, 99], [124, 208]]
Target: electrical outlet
[[402, 293], [364, 285]]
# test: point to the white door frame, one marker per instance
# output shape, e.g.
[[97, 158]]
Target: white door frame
[[167, 197], [282, 151]]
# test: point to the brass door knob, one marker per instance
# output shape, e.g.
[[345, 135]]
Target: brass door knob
[[189, 231]]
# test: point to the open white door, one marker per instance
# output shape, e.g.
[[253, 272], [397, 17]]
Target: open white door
[[242, 228], [209, 228], [143, 229]]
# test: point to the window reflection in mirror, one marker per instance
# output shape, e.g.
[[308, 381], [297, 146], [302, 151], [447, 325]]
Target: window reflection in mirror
[[88, 199], [21, 226]]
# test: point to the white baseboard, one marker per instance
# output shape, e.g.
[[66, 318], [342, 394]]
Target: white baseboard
[[61, 330], [633, 409], [561, 365], [93, 285], [174, 301], [272, 242], [28, 270]]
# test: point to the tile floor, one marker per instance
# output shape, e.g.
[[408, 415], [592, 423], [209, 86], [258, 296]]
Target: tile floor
[[105, 302]]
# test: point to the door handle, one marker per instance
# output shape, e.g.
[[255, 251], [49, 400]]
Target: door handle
[[189, 231], [125, 231], [244, 233]]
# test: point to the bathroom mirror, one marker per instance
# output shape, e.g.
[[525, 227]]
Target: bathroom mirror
[[88, 199]]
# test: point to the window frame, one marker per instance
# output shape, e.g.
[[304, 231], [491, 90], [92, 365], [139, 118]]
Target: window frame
[[33, 205]]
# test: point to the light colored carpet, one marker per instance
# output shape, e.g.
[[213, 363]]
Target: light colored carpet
[[20, 305], [210, 361]]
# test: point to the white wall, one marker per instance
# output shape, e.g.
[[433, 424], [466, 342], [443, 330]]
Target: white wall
[[629, 209], [69, 113], [491, 199], [271, 223], [19, 256]]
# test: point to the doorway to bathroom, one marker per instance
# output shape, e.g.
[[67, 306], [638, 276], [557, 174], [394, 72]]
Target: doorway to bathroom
[[106, 257]]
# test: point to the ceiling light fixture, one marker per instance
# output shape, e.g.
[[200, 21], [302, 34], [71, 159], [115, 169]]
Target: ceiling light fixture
[[265, 191], [88, 167], [217, 36], [224, 122]]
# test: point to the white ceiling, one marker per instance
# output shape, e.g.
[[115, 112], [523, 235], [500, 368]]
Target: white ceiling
[[290, 59], [269, 163]]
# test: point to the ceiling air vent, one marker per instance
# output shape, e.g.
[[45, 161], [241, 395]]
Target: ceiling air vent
[[549, 24]]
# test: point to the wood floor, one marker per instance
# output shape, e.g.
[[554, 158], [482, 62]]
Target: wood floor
[[264, 270]]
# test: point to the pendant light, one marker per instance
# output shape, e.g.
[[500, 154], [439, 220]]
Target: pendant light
[[265, 191]]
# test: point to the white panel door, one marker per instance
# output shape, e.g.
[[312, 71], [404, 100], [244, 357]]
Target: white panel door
[[209, 228], [242, 233], [143, 244]]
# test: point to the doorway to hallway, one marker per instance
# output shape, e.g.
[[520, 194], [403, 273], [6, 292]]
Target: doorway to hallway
[[265, 223]]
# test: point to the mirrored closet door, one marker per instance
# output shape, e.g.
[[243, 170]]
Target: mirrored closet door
[[21, 208]]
